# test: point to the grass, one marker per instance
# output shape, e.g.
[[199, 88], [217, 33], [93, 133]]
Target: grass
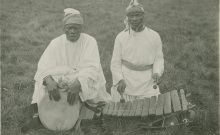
[[189, 33]]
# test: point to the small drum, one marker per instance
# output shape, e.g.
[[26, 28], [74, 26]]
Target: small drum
[[58, 115]]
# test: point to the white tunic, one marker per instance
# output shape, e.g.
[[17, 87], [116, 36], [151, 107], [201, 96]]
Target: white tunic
[[70, 61], [140, 48]]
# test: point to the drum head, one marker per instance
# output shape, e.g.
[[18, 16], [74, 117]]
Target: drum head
[[58, 115]]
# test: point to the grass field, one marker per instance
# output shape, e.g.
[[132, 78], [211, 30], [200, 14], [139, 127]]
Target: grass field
[[189, 33]]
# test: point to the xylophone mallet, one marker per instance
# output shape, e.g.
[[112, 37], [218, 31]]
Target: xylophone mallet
[[155, 85], [122, 100]]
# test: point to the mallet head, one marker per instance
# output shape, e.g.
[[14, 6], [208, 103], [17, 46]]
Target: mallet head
[[122, 100]]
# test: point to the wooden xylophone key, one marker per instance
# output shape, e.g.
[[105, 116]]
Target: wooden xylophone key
[[121, 109], [110, 109], [116, 108], [175, 101], [139, 107], [160, 102], [167, 103], [153, 102], [183, 99], [127, 108], [133, 108], [105, 110], [146, 107]]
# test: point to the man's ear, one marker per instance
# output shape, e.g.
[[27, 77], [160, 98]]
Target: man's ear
[[144, 18], [82, 28], [63, 28]]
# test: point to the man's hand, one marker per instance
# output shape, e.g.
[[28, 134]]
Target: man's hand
[[52, 89], [73, 92], [62, 85], [121, 86], [156, 78]]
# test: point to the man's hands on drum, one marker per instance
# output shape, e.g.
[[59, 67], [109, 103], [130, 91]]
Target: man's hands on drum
[[121, 86], [73, 92], [52, 88]]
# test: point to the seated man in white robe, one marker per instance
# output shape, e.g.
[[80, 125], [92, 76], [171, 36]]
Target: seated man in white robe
[[137, 62], [71, 62]]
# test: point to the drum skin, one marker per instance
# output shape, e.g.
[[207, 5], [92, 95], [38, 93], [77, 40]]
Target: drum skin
[[58, 115]]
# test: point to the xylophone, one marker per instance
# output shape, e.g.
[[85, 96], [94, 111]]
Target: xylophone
[[171, 107], [164, 104]]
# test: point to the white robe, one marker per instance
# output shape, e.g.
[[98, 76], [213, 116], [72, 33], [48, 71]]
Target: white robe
[[71, 61], [140, 48]]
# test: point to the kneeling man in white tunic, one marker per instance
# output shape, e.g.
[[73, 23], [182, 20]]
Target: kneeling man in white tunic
[[69, 73], [137, 62]]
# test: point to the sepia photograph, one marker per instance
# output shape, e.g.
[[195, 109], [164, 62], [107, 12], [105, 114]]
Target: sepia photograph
[[109, 67]]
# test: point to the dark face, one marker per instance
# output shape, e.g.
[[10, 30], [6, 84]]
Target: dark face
[[136, 20], [73, 31]]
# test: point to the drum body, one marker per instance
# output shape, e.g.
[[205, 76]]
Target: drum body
[[58, 115]]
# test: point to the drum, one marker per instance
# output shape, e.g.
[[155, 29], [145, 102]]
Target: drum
[[58, 115]]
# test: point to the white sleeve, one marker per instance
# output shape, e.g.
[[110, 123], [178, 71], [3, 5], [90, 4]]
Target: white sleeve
[[116, 62], [88, 75], [158, 66]]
